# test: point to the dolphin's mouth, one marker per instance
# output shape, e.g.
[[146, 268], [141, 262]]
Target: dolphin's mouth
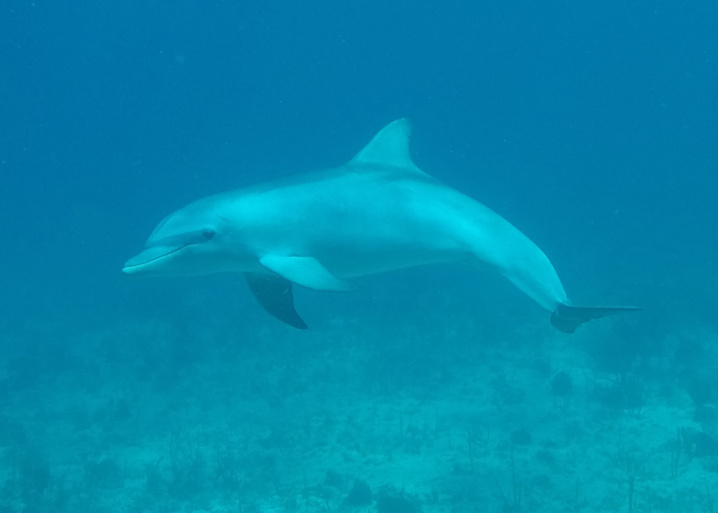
[[166, 247], [149, 256]]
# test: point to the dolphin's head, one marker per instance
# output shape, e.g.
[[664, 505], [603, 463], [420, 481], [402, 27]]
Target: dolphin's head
[[191, 241]]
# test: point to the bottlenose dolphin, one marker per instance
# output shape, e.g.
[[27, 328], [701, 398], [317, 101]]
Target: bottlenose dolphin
[[376, 213]]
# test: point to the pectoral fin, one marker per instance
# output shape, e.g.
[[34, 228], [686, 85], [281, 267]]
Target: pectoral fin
[[274, 293], [304, 271]]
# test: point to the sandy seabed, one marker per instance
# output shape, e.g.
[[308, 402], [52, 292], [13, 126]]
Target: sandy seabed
[[144, 417]]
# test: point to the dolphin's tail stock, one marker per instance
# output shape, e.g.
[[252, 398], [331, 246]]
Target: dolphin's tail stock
[[567, 318]]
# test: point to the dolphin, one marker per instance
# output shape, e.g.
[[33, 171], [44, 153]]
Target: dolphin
[[378, 212]]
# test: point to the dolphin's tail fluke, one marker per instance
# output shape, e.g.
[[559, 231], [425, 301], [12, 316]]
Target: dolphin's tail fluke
[[567, 318]]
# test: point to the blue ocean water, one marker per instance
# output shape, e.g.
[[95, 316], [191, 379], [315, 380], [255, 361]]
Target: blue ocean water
[[591, 127]]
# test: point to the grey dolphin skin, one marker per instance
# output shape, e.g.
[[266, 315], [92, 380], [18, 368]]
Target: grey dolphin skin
[[376, 213]]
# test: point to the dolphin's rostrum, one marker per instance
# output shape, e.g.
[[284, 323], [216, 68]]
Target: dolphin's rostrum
[[320, 230]]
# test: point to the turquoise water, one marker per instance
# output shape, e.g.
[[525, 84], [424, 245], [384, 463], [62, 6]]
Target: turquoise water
[[592, 128]]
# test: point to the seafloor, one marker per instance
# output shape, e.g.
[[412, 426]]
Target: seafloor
[[434, 414]]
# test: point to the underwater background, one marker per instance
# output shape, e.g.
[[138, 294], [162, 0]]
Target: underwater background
[[591, 126]]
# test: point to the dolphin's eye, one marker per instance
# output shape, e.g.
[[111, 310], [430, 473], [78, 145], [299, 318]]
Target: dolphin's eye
[[207, 234]]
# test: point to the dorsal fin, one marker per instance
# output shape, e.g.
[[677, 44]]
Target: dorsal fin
[[390, 147]]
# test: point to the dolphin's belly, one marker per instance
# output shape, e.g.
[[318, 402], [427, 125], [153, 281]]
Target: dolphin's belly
[[373, 257]]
